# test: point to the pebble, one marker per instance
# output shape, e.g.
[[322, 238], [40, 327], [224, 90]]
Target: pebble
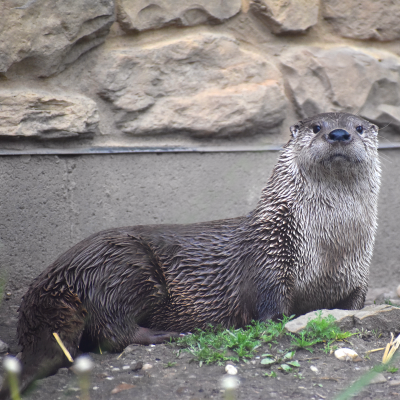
[[398, 290], [137, 365], [115, 369], [110, 378], [129, 349], [394, 383], [95, 388], [63, 371], [147, 366], [314, 369], [231, 370], [345, 354], [126, 367], [378, 378]]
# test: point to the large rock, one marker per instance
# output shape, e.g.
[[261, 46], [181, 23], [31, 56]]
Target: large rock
[[367, 19], [141, 15], [50, 34], [46, 116], [382, 318], [287, 16], [203, 85], [344, 79]]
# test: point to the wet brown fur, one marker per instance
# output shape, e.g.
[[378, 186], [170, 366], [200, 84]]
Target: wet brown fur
[[306, 246]]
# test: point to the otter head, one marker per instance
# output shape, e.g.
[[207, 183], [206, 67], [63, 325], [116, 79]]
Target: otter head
[[338, 144]]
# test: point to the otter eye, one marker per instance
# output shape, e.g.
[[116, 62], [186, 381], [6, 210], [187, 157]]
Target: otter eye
[[359, 129], [316, 128]]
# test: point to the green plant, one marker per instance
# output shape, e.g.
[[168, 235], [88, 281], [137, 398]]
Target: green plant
[[319, 330], [388, 302], [170, 364], [392, 370], [216, 344]]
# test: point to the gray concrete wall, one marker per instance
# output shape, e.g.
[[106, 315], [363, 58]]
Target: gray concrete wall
[[49, 203]]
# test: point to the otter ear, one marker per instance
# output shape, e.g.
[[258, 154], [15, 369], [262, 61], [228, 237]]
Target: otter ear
[[294, 129]]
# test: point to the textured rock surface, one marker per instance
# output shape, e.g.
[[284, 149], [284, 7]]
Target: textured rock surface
[[45, 115], [319, 81], [383, 318], [140, 15], [51, 34], [364, 19], [203, 85], [3, 347], [287, 16], [344, 319]]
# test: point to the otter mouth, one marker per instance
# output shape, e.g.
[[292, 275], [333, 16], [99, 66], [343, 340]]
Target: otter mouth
[[340, 157]]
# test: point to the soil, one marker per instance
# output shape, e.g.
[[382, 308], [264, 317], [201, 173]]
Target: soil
[[127, 377]]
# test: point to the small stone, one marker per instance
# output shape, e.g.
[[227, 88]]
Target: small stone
[[231, 370], [110, 378], [394, 383], [314, 369], [130, 349], [147, 366], [346, 354], [115, 369], [137, 365], [63, 371], [126, 367], [398, 291], [378, 378], [95, 388]]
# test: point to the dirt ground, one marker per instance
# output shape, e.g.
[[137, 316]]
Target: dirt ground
[[173, 376]]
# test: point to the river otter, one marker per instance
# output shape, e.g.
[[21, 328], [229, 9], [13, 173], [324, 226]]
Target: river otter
[[306, 246]]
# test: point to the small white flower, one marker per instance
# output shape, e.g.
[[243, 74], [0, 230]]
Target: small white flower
[[12, 365], [229, 382], [83, 365]]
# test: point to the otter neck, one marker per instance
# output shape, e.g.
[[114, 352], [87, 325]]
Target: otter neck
[[295, 211]]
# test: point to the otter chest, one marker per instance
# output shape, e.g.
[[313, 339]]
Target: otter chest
[[334, 253]]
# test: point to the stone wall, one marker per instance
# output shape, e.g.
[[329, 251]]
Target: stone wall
[[83, 76], [76, 73]]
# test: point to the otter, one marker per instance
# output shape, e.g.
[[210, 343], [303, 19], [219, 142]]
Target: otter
[[306, 246]]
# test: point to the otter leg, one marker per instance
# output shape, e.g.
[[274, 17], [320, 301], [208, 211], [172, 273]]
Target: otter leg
[[354, 301], [150, 336]]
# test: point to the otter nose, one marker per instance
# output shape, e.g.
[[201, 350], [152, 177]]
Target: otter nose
[[339, 135]]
